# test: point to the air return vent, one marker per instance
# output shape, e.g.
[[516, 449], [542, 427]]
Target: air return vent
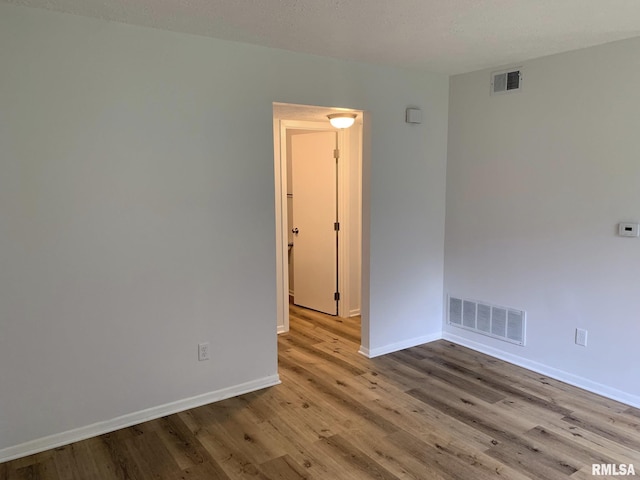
[[506, 81], [504, 323]]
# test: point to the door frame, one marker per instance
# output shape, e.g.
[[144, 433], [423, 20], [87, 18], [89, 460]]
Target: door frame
[[346, 139]]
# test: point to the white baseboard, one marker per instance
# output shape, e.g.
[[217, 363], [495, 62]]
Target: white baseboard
[[547, 370], [82, 433], [394, 347], [281, 329], [354, 313]]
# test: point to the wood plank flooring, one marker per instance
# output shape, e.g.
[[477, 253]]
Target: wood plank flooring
[[437, 411]]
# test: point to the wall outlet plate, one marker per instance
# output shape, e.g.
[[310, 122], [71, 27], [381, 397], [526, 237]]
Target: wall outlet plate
[[203, 351], [581, 337]]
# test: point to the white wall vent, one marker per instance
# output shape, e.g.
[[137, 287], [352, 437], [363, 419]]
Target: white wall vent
[[504, 323], [506, 81]]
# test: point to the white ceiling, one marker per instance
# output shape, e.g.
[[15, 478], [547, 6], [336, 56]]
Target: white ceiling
[[309, 113], [446, 36]]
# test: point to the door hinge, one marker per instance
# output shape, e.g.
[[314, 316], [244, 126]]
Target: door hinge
[[336, 226], [336, 153], [336, 296]]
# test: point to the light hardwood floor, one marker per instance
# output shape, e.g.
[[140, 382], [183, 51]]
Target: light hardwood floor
[[437, 411]]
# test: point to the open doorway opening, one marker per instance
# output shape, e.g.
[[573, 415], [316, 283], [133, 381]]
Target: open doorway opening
[[302, 137]]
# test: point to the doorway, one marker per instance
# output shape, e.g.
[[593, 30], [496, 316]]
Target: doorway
[[304, 121]]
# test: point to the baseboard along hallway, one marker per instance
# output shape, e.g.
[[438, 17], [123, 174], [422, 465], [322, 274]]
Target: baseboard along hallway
[[437, 411]]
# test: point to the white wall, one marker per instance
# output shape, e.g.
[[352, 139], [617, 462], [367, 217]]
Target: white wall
[[407, 191], [536, 183], [137, 214]]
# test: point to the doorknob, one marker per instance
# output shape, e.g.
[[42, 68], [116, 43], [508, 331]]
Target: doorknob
[[295, 230]]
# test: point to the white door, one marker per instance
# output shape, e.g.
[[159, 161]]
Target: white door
[[315, 248]]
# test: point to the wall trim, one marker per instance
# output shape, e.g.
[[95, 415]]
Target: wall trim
[[561, 375], [99, 428], [354, 313], [394, 347]]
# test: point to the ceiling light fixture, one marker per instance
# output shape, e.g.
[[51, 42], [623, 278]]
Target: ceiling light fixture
[[342, 120]]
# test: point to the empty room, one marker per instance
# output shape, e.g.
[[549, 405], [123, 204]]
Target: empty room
[[420, 261]]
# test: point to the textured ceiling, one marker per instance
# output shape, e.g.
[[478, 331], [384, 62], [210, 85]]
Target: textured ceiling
[[447, 36], [287, 111]]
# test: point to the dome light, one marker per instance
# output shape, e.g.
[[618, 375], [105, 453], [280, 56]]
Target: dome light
[[342, 120]]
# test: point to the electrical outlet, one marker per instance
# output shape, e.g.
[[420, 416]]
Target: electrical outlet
[[581, 337], [203, 351]]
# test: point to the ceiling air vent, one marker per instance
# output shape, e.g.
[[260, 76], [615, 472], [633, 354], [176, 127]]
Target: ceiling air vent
[[506, 81]]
